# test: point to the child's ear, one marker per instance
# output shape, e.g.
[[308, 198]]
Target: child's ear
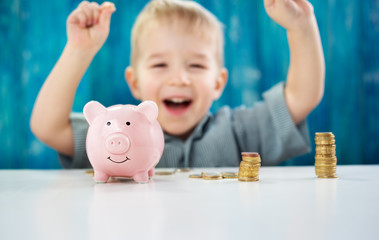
[[131, 79], [221, 81]]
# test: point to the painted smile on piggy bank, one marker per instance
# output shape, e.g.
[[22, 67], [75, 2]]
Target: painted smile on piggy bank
[[122, 161]]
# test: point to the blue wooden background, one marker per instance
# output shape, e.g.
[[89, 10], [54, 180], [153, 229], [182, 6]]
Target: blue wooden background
[[33, 34]]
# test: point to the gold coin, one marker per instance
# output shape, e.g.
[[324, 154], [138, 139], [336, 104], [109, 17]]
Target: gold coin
[[251, 159], [325, 154], [325, 165], [322, 134], [325, 162], [325, 170], [211, 176], [332, 175], [90, 172], [325, 142], [196, 176], [183, 169], [324, 138], [325, 173], [249, 164], [329, 164], [251, 175], [325, 158], [328, 176], [326, 148], [122, 178], [229, 175], [318, 136], [318, 173], [248, 179], [248, 170], [164, 172], [250, 154]]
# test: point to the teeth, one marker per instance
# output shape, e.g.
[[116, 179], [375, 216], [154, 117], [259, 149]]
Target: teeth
[[178, 100]]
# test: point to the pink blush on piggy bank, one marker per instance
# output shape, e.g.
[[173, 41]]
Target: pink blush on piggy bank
[[123, 140]]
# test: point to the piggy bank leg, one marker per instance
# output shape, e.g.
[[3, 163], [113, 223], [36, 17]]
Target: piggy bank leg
[[100, 177], [151, 172], [141, 177]]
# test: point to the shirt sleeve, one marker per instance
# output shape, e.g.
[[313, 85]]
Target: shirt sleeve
[[80, 159], [268, 128]]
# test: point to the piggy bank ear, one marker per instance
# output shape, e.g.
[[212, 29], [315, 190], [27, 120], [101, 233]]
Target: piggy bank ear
[[149, 109], [93, 109]]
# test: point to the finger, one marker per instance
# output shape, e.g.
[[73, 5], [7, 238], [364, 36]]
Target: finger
[[78, 17], [305, 5], [108, 5], [83, 4], [107, 9], [86, 8], [82, 18], [291, 6], [95, 12], [73, 18]]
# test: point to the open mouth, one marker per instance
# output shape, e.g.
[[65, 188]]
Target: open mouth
[[124, 160], [177, 105]]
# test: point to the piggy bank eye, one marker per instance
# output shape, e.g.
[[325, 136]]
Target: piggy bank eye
[[128, 123], [108, 123]]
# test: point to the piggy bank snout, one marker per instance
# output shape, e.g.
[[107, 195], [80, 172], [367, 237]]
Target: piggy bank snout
[[117, 143]]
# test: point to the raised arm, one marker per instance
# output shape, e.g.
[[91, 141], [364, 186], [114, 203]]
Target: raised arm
[[87, 30], [305, 79]]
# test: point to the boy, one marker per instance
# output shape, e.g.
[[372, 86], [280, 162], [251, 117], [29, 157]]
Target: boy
[[177, 61]]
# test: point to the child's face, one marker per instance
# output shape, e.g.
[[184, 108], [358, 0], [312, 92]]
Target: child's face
[[180, 72]]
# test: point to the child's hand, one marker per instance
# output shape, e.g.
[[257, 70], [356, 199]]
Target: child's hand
[[293, 15], [88, 25]]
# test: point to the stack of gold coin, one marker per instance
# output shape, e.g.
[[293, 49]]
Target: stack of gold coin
[[249, 167], [325, 159]]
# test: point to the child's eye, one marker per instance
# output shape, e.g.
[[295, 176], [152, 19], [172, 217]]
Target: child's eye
[[200, 66], [159, 65]]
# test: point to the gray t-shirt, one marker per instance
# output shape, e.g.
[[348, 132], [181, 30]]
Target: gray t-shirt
[[219, 139]]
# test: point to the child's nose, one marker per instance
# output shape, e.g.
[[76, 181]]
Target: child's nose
[[179, 78]]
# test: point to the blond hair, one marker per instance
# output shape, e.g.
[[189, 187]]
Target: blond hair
[[195, 17]]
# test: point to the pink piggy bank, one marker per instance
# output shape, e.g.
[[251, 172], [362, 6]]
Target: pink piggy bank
[[123, 140]]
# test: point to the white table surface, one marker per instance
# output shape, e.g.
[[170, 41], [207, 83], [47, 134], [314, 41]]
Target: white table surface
[[287, 203]]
